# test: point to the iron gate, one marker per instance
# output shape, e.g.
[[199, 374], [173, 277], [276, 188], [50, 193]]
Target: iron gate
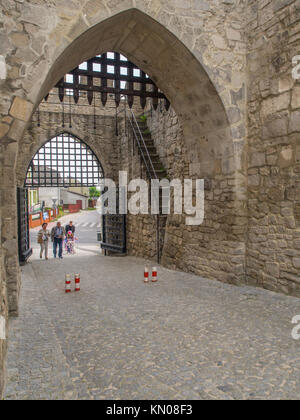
[[23, 225], [114, 229], [114, 233]]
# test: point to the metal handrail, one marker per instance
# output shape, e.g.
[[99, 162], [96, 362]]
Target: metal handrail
[[141, 135], [141, 151], [139, 142], [140, 147]]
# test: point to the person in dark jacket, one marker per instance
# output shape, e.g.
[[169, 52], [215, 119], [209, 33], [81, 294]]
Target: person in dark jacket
[[57, 237], [70, 227]]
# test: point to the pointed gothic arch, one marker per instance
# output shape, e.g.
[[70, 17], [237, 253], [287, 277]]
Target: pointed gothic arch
[[215, 149], [175, 71], [64, 161]]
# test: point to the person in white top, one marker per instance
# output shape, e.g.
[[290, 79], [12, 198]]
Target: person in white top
[[43, 240]]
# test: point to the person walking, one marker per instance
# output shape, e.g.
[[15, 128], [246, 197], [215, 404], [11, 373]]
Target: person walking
[[70, 227], [57, 236], [43, 240]]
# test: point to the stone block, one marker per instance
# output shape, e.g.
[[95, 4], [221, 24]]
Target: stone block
[[296, 97], [233, 34], [17, 129], [201, 5], [21, 109], [291, 277], [35, 14], [7, 119], [276, 193], [234, 115], [272, 105], [19, 39], [219, 42], [279, 4], [290, 222], [286, 157], [294, 124], [2, 68], [296, 262], [3, 129], [272, 159], [277, 127], [269, 282], [257, 159], [254, 180], [285, 83], [297, 154]]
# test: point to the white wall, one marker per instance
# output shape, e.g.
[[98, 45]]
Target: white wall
[[71, 198], [46, 194]]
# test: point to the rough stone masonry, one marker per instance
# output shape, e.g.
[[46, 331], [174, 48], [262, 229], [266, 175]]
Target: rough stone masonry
[[226, 67]]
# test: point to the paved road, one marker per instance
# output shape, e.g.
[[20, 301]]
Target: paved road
[[182, 338]]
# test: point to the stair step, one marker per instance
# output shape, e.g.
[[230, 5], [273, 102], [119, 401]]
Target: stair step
[[149, 151], [153, 156], [148, 146]]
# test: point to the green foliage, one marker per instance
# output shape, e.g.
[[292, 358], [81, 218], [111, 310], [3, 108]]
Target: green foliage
[[93, 192], [143, 118]]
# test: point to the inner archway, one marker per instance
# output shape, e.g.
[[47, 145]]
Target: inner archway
[[64, 161], [59, 179]]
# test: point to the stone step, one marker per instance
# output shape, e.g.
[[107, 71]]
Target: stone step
[[148, 149]]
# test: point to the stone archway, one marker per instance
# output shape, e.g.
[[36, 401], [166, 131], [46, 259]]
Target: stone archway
[[48, 156], [207, 131], [171, 66], [35, 137]]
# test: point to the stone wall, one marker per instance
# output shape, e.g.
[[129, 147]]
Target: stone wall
[[273, 245], [3, 312], [97, 132], [216, 249]]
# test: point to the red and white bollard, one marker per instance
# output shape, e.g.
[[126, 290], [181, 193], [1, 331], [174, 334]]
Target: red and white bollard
[[154, 274], [68, 283], [146, 275], [77, 282]]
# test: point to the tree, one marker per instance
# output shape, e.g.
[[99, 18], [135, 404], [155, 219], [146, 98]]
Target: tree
[[93, 192]]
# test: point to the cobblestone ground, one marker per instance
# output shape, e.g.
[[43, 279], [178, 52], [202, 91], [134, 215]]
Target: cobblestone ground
[[118, 338]]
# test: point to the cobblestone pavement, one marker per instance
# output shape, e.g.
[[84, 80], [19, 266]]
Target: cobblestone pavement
[[118, 338]]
